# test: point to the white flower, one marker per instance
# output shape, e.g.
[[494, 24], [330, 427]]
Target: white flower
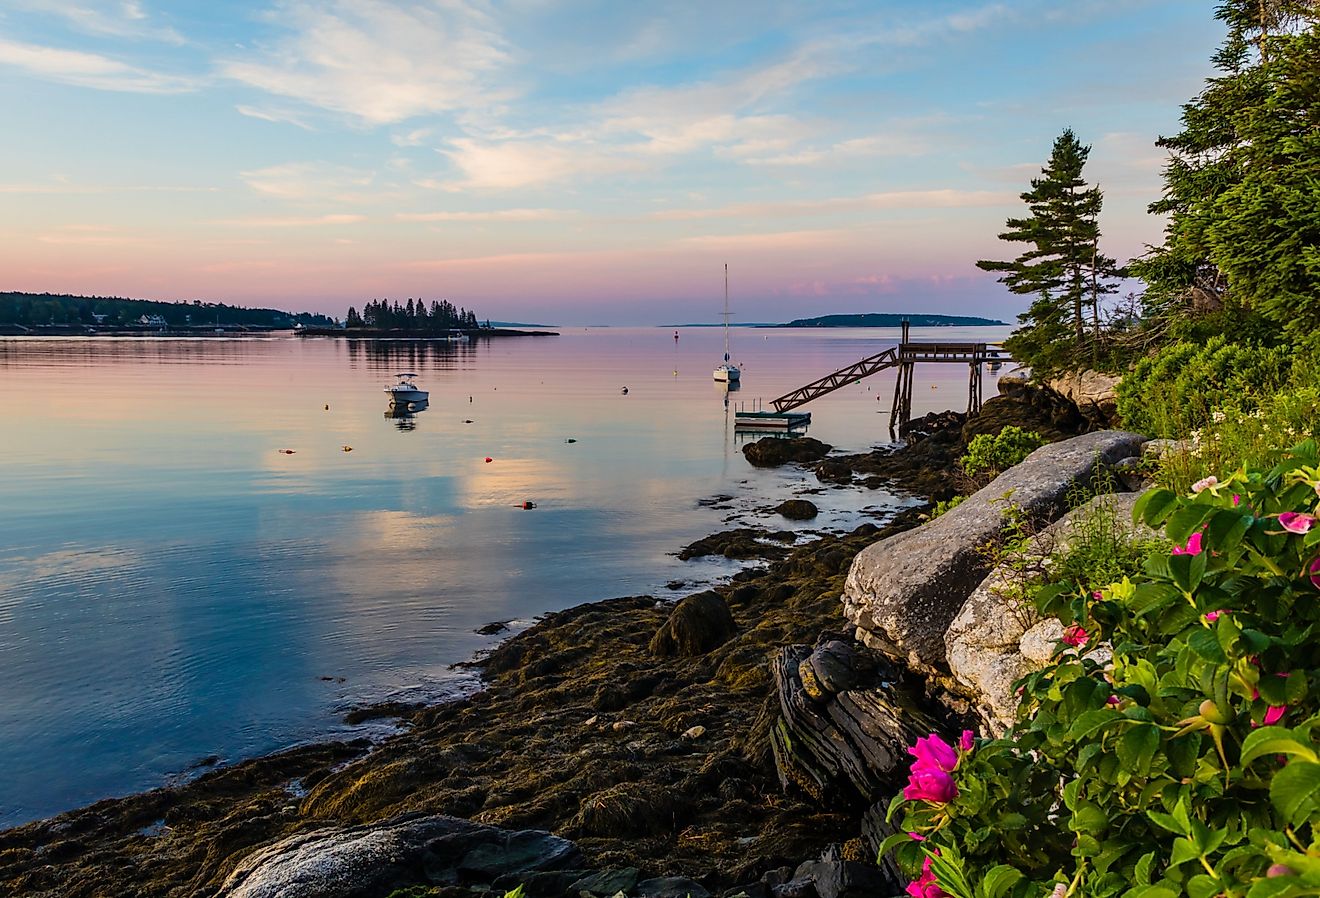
[[1205, 484]]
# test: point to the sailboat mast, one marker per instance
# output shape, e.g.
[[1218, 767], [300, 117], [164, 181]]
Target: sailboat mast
[[726, 313]]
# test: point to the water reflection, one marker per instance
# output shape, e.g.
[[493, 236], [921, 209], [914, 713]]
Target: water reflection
[[404, 414], [401, 353]]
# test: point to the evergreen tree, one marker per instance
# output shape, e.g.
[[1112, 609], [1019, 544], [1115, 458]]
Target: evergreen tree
[[1062, 266], [1240, 189], [353, 319]]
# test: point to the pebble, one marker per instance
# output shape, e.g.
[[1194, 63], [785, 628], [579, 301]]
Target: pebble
[[695, 732]]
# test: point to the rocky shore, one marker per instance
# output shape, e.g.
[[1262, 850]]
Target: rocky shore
[[656, 741]]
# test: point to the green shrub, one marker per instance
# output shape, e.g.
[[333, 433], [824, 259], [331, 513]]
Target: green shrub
[[945, 505], [1236, 435], [988, 455], [1173, 392], [1173, 745]]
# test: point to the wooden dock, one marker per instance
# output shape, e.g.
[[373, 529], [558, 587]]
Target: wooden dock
[[905, 357]]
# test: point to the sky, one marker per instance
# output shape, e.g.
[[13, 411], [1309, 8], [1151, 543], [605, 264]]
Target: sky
[[571, 161]]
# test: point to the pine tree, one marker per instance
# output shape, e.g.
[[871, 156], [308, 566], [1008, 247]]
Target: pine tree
[[1240, 187], [1062, 267]]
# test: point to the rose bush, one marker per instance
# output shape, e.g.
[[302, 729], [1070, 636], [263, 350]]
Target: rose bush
[[1173, 745]]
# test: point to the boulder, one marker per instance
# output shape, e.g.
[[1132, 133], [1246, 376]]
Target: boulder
[[1158, 449], [997, 636], [848, 745], [771, 452], [904, 591], [697, 624], [1095, 394], [797, 509], [369, 861]]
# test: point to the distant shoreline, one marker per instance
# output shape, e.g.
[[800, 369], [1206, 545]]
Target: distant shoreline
[[362, 333], [63, 331]]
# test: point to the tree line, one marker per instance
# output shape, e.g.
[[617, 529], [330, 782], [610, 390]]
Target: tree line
[[414, 316], [41, 309]]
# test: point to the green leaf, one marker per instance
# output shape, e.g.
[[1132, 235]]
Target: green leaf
[[1295, 791], [1203, 886], [1166, 821], [1152, 596], [1226, 529], [1154, 506], [1277, 887], [1187, 520], [1275, 741], [1137, 747], [997, 881], [1092, 722], [1184, 850], [1206, 644]]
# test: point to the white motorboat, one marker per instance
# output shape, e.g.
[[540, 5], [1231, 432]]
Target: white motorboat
[[728, 372], [405, 391]]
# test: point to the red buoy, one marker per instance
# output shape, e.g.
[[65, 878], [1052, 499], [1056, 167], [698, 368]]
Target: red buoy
[[489, 459]]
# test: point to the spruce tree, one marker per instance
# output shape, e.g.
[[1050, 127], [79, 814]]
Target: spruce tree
[[1062, 266], [1243, 235]]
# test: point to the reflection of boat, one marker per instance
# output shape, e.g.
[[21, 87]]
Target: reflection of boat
[[406, 391], [728, 372], [404, 414]]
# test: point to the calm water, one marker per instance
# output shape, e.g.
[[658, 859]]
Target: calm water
[[173, 587]]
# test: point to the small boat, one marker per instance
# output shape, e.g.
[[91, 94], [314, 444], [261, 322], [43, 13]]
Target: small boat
[[405, 391], [728, 372]]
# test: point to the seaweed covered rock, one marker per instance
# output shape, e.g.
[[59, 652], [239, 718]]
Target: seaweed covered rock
[[771, 452], [904, 591], [797, 509], [697, 624], [740, 543], [368, 861]]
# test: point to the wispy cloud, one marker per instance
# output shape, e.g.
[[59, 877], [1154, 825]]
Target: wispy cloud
[[89, 70], [379, 62], [106, 18], [491, 215], [311, 221], [943, 198], [309, 181]]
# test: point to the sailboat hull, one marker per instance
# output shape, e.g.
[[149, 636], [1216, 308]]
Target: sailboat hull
[[727, 373]]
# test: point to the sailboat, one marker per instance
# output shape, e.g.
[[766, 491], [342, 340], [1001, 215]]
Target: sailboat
[[728, 372]]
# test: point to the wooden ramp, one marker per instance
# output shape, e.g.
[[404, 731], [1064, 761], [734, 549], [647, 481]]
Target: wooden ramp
[[905, 356]]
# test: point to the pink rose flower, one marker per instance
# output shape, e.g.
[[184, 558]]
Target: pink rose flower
[[1296, 522], [1314, 571], [967, 741], [1273, 715], [1113, 701], [930, 785], [1075, 636], [1211, 616], [1237, 500], [1205, 483], [927, 886], [933, 753], [1193, 546]]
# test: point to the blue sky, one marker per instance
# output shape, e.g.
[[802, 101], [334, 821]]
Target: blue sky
[[576, 162]]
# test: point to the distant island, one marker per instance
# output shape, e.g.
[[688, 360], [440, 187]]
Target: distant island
[[63, 313], [885, 319]]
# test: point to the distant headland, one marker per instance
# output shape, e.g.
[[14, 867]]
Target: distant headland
[[886, 319], [63, 314]]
